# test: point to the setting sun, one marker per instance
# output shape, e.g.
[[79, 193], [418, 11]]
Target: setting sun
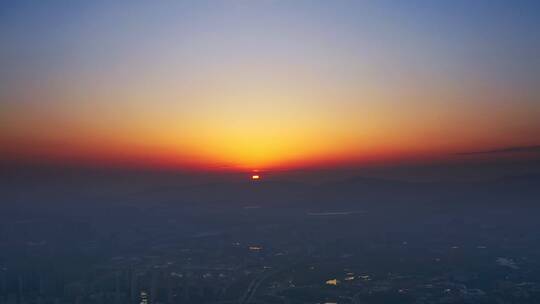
[[268, 151]]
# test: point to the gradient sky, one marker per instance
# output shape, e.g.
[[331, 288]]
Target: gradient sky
[[266, 84]]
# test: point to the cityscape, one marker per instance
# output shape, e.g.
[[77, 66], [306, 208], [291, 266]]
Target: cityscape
[[270, 152], [150, 247]]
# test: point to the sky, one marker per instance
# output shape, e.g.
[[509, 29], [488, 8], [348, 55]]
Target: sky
[[267, 85]]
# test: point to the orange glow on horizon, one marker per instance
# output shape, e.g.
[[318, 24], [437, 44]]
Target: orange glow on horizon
[[205, 94]]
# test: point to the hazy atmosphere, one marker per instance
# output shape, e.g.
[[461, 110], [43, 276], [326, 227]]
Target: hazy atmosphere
[[266, 84], [272, 151]]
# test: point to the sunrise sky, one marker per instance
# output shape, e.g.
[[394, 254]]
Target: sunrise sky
[[266, 84]]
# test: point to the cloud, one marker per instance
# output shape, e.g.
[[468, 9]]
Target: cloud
[[518, 149]]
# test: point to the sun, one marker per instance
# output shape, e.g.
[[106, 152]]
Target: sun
[[255, 177]]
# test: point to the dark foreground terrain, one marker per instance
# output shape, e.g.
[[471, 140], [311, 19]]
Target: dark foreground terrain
[[127, 240]]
